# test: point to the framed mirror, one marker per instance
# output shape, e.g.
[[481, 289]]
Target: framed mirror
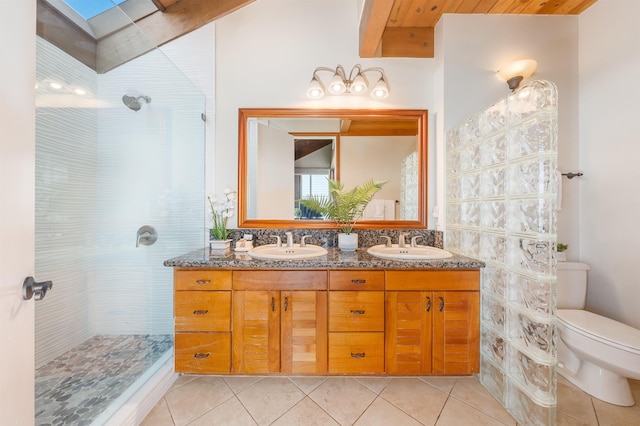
[[287, 154]]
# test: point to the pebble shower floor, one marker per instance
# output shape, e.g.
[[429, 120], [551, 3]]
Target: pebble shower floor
[[80, 384]]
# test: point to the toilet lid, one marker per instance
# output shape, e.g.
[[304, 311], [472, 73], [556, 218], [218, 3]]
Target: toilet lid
[[601, 328]]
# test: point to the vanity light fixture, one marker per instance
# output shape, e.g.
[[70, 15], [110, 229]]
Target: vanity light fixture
[[517, 71], [355, 83]]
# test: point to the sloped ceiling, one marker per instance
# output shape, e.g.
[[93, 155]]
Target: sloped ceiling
[[388, 28]]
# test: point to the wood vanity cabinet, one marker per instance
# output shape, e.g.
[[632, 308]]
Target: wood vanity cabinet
[[341, 321], [356, 321], [279, 322], [202, 312], [432, 322]]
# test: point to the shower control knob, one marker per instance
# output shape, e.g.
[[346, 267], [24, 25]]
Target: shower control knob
[[31, 288]]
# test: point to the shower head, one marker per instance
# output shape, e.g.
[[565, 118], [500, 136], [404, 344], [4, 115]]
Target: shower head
[[134, 103]]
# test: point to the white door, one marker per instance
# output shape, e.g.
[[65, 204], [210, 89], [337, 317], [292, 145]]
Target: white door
[[17, 159]]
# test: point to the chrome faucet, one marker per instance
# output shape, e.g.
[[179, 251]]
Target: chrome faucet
[[387, 242], [413, 240], [278, 241], [289, 235], [401, 240], [303, 243]]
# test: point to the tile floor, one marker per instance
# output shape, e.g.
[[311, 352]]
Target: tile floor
[[388, 401]]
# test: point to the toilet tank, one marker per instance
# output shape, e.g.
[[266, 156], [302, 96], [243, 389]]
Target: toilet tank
[[572, 285]]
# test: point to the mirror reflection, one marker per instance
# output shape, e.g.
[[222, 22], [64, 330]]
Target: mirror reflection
[[286, 155]]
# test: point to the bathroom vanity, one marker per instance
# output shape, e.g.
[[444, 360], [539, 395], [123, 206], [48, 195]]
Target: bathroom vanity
[[343, 313]]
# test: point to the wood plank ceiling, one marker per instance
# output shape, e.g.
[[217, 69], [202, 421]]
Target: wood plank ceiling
[[405, 28]]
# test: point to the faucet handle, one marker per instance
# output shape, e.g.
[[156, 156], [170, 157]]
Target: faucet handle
[[278, 240], [401, 240], [387, 242], [414, 239], [303, 243]]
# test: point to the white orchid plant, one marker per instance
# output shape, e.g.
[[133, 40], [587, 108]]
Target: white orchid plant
[[221, 211]]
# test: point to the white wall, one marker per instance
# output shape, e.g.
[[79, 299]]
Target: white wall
[[609, 152], [265, 56], [470, 48]]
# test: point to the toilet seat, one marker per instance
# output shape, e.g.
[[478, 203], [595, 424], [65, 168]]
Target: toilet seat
[[602, 329]]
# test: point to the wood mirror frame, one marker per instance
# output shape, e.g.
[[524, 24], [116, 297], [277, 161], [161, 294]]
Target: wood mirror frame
[[420, 116]]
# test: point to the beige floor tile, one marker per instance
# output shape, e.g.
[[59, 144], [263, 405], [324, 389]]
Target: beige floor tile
[[307, 413], [563, 419], [614, 415], [182, 380], [420, 400], [456, 413], [229, 413], [345, 399], [382, 413], [575, 403], [240, 383], [193, 399], [269, 398], [376, 384], [445, 384], [635, 391], [307, 384], [470, 391], [159, 415]]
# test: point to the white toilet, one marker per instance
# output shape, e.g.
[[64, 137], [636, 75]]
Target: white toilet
[[595, 353]]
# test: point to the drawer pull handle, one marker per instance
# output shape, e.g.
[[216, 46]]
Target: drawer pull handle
[[273, 304], [358, 312], [200, 355], [441, 304], [203, 282], [428, 304], [357, 354], [358, 281], [286, 303], [201, 312]]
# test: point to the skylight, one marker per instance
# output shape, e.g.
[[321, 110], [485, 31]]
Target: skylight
[[90, 8]]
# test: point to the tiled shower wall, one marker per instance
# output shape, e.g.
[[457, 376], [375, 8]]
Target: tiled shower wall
[[501, 208]]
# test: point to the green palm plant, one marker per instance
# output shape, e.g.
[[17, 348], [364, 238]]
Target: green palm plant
[[342, 206]]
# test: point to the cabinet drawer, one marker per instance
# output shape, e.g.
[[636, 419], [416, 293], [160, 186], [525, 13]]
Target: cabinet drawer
[[280, 280], [433, 280], [356, 280], [356, 311], [356, 352], [202, 353], [202, 280], [202, 310]]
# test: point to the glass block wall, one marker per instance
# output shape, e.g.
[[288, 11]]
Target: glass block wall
[[501, 208]]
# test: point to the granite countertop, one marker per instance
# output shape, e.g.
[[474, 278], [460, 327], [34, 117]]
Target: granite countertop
[[334, 259]]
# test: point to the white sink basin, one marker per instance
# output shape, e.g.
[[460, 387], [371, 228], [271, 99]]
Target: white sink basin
[[272, 252], [408, 253]]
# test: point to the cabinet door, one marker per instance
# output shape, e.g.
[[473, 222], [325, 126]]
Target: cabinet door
[[303, 316], [408, 332], [456, 332], [256, 331]]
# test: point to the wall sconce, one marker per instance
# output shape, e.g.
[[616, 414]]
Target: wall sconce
[[355, 83], [517, 71]]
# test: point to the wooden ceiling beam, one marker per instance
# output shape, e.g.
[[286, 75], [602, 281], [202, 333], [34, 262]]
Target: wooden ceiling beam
[[373, 21], [414, 42], [159, 28]]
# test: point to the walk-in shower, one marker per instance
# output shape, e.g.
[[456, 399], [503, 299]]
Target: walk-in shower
[[135, 102], [102, 173]]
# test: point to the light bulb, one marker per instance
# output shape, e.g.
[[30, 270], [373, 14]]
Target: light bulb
[[337, 86], [359, 84], [315, 90], [380, 90]]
